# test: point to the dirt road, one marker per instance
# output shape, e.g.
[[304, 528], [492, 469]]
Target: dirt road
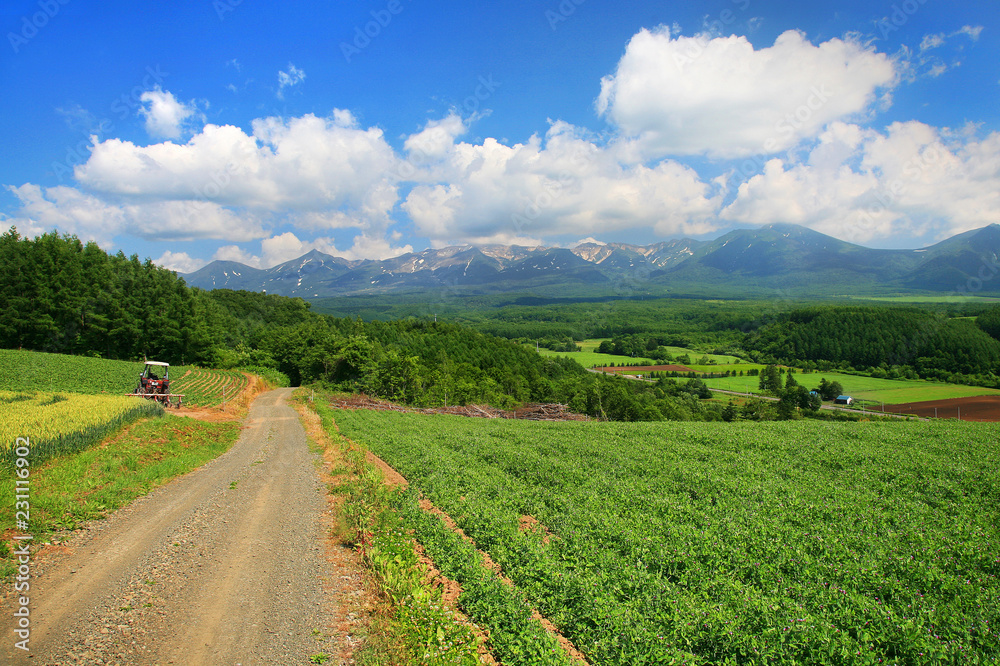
[[225, 565]]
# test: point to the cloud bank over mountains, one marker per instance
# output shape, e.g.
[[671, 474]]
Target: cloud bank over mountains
[[703, 133]]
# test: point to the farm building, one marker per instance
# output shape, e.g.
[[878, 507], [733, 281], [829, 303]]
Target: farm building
[[844, 400]]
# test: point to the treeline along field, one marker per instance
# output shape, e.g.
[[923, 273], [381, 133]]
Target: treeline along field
[[801, 542], [889, 342]]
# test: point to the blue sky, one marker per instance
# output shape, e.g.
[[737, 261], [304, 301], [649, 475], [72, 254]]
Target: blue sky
[[251, 131]]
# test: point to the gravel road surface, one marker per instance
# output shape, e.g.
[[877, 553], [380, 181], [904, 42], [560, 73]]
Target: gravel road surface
[[225, 565]]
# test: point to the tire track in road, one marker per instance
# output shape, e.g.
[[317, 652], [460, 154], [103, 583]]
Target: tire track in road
[[223, 565]]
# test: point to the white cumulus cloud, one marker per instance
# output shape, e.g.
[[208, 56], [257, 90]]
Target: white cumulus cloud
[[308, 164], [677, 95], [287, 246], [863, 185], [92, 218], [166, 118], [562, 184], [68, 210], [181, 262]]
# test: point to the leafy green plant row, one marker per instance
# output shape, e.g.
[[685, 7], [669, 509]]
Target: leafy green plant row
[[205, 388], [515, 636], [797, 542]]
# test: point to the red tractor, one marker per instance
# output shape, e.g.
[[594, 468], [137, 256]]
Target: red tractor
[[154, 384]]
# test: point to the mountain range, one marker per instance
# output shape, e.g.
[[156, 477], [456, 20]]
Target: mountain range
[[778, 256]]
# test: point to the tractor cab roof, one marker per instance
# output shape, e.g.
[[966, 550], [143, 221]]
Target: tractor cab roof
[[160, 363]]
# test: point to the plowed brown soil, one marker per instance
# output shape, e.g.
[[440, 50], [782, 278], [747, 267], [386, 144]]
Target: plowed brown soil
[[979, 408]]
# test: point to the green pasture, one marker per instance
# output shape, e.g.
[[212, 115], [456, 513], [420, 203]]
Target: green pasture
[[888, 391], [589, 357], [935, 298]]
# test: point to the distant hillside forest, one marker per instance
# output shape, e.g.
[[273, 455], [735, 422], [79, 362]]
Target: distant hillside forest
[[61, 295], [886, 342]]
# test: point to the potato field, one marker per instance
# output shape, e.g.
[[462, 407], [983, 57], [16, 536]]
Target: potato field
[[709, 543]]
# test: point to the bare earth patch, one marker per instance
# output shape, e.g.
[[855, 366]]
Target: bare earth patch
[[979, 408], [233, 410], [529, 412], [352, 586], [531, 524]]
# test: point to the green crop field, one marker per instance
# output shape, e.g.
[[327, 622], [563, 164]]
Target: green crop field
[[888, 391], [933, 298], [870, 389], [206, 388], [589, 357], [38, 371], [56, 423], [743, 543]]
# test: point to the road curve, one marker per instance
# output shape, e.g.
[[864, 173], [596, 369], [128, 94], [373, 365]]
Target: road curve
[[224, 565]]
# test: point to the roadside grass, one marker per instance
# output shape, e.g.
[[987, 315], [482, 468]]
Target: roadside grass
[[70, 489], [413, 625]]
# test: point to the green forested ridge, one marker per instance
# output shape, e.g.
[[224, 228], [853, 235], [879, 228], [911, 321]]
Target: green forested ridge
[[431, 363], [989, 321], [58, 294], [888, 341]]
